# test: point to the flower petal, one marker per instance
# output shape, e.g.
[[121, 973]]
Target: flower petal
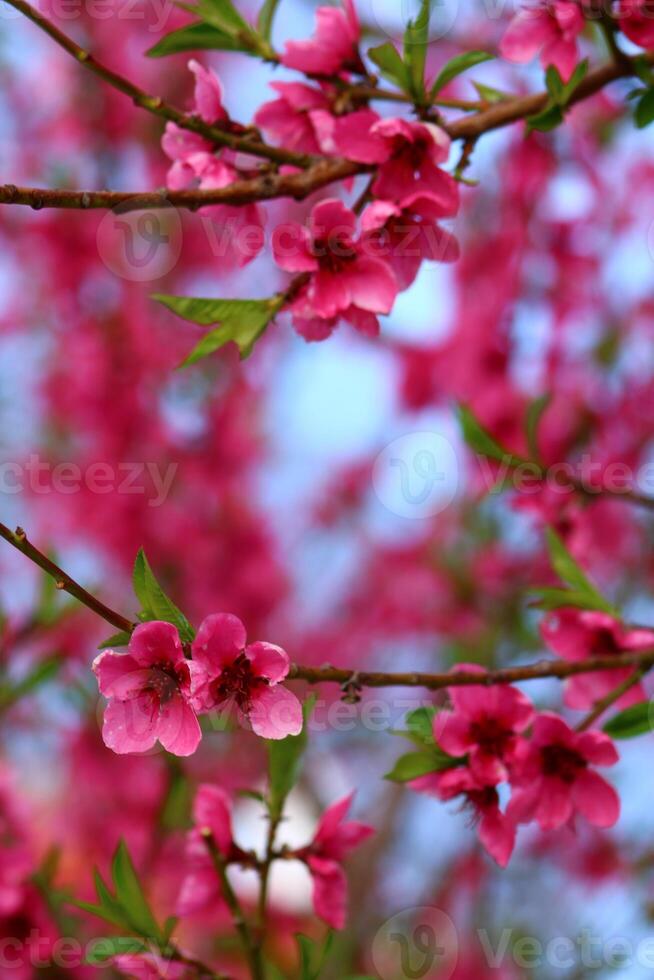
[[220, 639], [268, 661], [178, 729], [596, 799], [275, 713]]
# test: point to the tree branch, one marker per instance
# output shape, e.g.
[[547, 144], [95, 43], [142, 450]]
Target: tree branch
[[156, 105], [64, 582]]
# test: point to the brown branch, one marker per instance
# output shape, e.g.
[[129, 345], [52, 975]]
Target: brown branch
[[505, 675], [156, 105], [262, 188], [610, 699], [64, 582]]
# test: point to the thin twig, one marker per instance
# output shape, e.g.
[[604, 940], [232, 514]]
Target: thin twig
[[610, 699], [19, 540]]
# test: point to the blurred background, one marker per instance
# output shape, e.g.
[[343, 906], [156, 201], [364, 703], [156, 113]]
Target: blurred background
[[319, 491]]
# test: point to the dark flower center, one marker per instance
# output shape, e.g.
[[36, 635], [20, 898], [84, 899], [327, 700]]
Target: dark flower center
[[559, 760], [603, 643], [334, 253], [491, 735], [163, 683], [237, 681], [479, 800]]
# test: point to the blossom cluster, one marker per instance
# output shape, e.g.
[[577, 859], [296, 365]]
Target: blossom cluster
[[494, 736], [156, 692]]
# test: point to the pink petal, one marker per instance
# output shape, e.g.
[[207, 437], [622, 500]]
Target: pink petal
[[549, 727], [220, 639], [487, 768], [332, 218], [118, 675], [371, 284], [130, 726], [351, 136], [200, 891], [526, 34], [178, 143], [596, 799], [555, 805], [598, 748], [208, 94], [563, 54], [156, 643], [314, 328], [178, 729], [331, 46], [364, 322], [268, 661], [452, 732], [329, 891], [497, 833], [332, 817], [212, 809], [275, 713], [291, 244], [328, 295]]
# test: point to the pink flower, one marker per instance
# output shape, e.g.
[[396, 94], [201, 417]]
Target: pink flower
[[578, 634], [549, 28], [334, 46], [405, 237], [227, 671], [485, 725], [149, 693], [287, 119], [409, 154], [555, 780], [334, 839], [636, 22], [200, 887], [344, 281], [495, 829], [208, 94]]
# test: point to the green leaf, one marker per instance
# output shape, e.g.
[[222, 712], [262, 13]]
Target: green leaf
[[102, 912], [196, 37], [574, 81], [480, 440], [644, 112], [642, 69], [155, 602], [420, 724], [564, 564], [535, 412], [223, 15], [117, 640], [554, 84], [549, 599], [545, 121], [285, 761], [416, 41], [636, 720], [490, 94], [389, 61], [415, 764], [313, 957], [266, 17], [242, 321], [131, 896], [460, 63], [101, 950]]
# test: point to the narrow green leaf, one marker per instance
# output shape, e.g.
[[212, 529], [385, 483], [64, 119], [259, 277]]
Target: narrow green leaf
[[490, 94], [223, 15], [548, 599], [420, 724], [554, 84], [574, 81], [389, 61], [565, 565], [155, 602], [545, 121], [460, 63], [285, 762], [117, 640], [644, 112], [103, 949], [108, 915], [131, 896], [480, 440], [196, 37], [415, 764], [633, 721], [535, 412], [242, 321], [416, 41], [266, 18]]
